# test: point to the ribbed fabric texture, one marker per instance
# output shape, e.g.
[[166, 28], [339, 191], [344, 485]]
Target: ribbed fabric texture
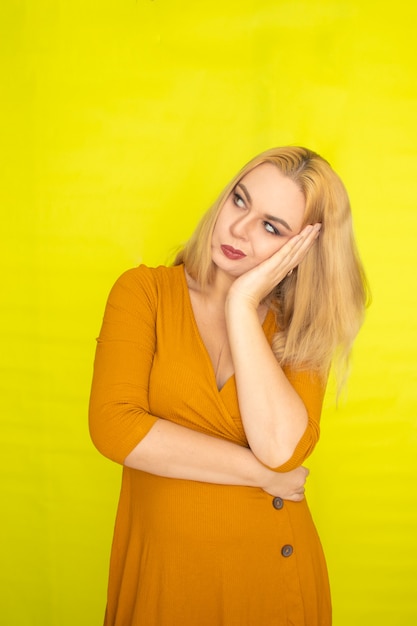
[[187, 553]]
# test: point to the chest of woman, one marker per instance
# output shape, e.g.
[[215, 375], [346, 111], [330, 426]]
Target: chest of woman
[[182, 380]]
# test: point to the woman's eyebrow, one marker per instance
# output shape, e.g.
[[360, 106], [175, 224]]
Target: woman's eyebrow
[[272, 218]]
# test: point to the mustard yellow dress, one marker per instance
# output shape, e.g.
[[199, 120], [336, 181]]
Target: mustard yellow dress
[[187, 553]]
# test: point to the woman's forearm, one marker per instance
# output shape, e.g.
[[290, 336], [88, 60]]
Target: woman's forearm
[[273, 414], [174, 451]]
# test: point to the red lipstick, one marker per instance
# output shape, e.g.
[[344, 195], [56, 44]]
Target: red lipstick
[[232, 253]]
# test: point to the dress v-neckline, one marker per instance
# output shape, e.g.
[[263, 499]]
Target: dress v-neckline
[[199, 338]]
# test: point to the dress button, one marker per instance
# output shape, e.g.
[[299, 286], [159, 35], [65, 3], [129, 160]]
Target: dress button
[[277, 503], [287, 550]]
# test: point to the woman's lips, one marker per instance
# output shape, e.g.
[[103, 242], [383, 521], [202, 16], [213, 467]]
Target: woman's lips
[[232, 253]]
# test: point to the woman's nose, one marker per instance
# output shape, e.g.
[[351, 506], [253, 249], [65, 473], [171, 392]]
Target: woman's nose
[[240, 228]]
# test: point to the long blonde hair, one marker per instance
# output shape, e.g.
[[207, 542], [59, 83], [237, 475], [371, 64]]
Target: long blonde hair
[[320, 307]]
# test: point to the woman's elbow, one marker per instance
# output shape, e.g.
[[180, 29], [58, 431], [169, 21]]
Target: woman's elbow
[[103, 434], [291, 454], [117, 428]]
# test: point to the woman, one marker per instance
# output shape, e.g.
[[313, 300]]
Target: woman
[[208, 385]]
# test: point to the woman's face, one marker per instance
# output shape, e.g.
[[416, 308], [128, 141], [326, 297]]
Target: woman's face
[[264, 210]]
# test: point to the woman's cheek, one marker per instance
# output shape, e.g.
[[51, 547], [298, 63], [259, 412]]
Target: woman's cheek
[[272, 249]]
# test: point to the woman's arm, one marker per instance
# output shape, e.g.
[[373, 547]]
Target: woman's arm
[[174, 451], [121, 424], [274, 415]]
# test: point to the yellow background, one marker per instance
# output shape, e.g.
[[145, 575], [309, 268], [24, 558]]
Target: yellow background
[[121, 121]]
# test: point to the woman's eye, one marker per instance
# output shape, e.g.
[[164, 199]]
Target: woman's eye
[[238, 200], [271, 229]]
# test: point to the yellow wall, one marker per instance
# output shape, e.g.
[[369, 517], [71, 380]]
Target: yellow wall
[[122, 121]]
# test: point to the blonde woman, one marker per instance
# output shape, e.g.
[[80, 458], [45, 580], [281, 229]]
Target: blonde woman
[[208, 385]]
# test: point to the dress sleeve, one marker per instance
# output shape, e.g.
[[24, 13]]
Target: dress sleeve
[[119, 414], [311, 387]]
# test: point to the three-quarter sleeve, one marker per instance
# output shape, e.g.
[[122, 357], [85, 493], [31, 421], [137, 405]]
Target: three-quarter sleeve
[[119, 414], [311, 389]]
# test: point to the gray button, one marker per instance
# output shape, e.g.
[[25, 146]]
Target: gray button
[[287, 550], [277, 503]]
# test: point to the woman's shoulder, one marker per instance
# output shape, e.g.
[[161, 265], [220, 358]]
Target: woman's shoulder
[[145, 278], [146, 288]]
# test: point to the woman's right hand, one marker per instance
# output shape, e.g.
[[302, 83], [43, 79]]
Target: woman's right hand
[[286, 485]]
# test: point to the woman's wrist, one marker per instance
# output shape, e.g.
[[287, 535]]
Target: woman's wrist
[[238, 300]]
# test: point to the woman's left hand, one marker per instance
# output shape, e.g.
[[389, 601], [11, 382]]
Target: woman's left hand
[[258, 282]]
